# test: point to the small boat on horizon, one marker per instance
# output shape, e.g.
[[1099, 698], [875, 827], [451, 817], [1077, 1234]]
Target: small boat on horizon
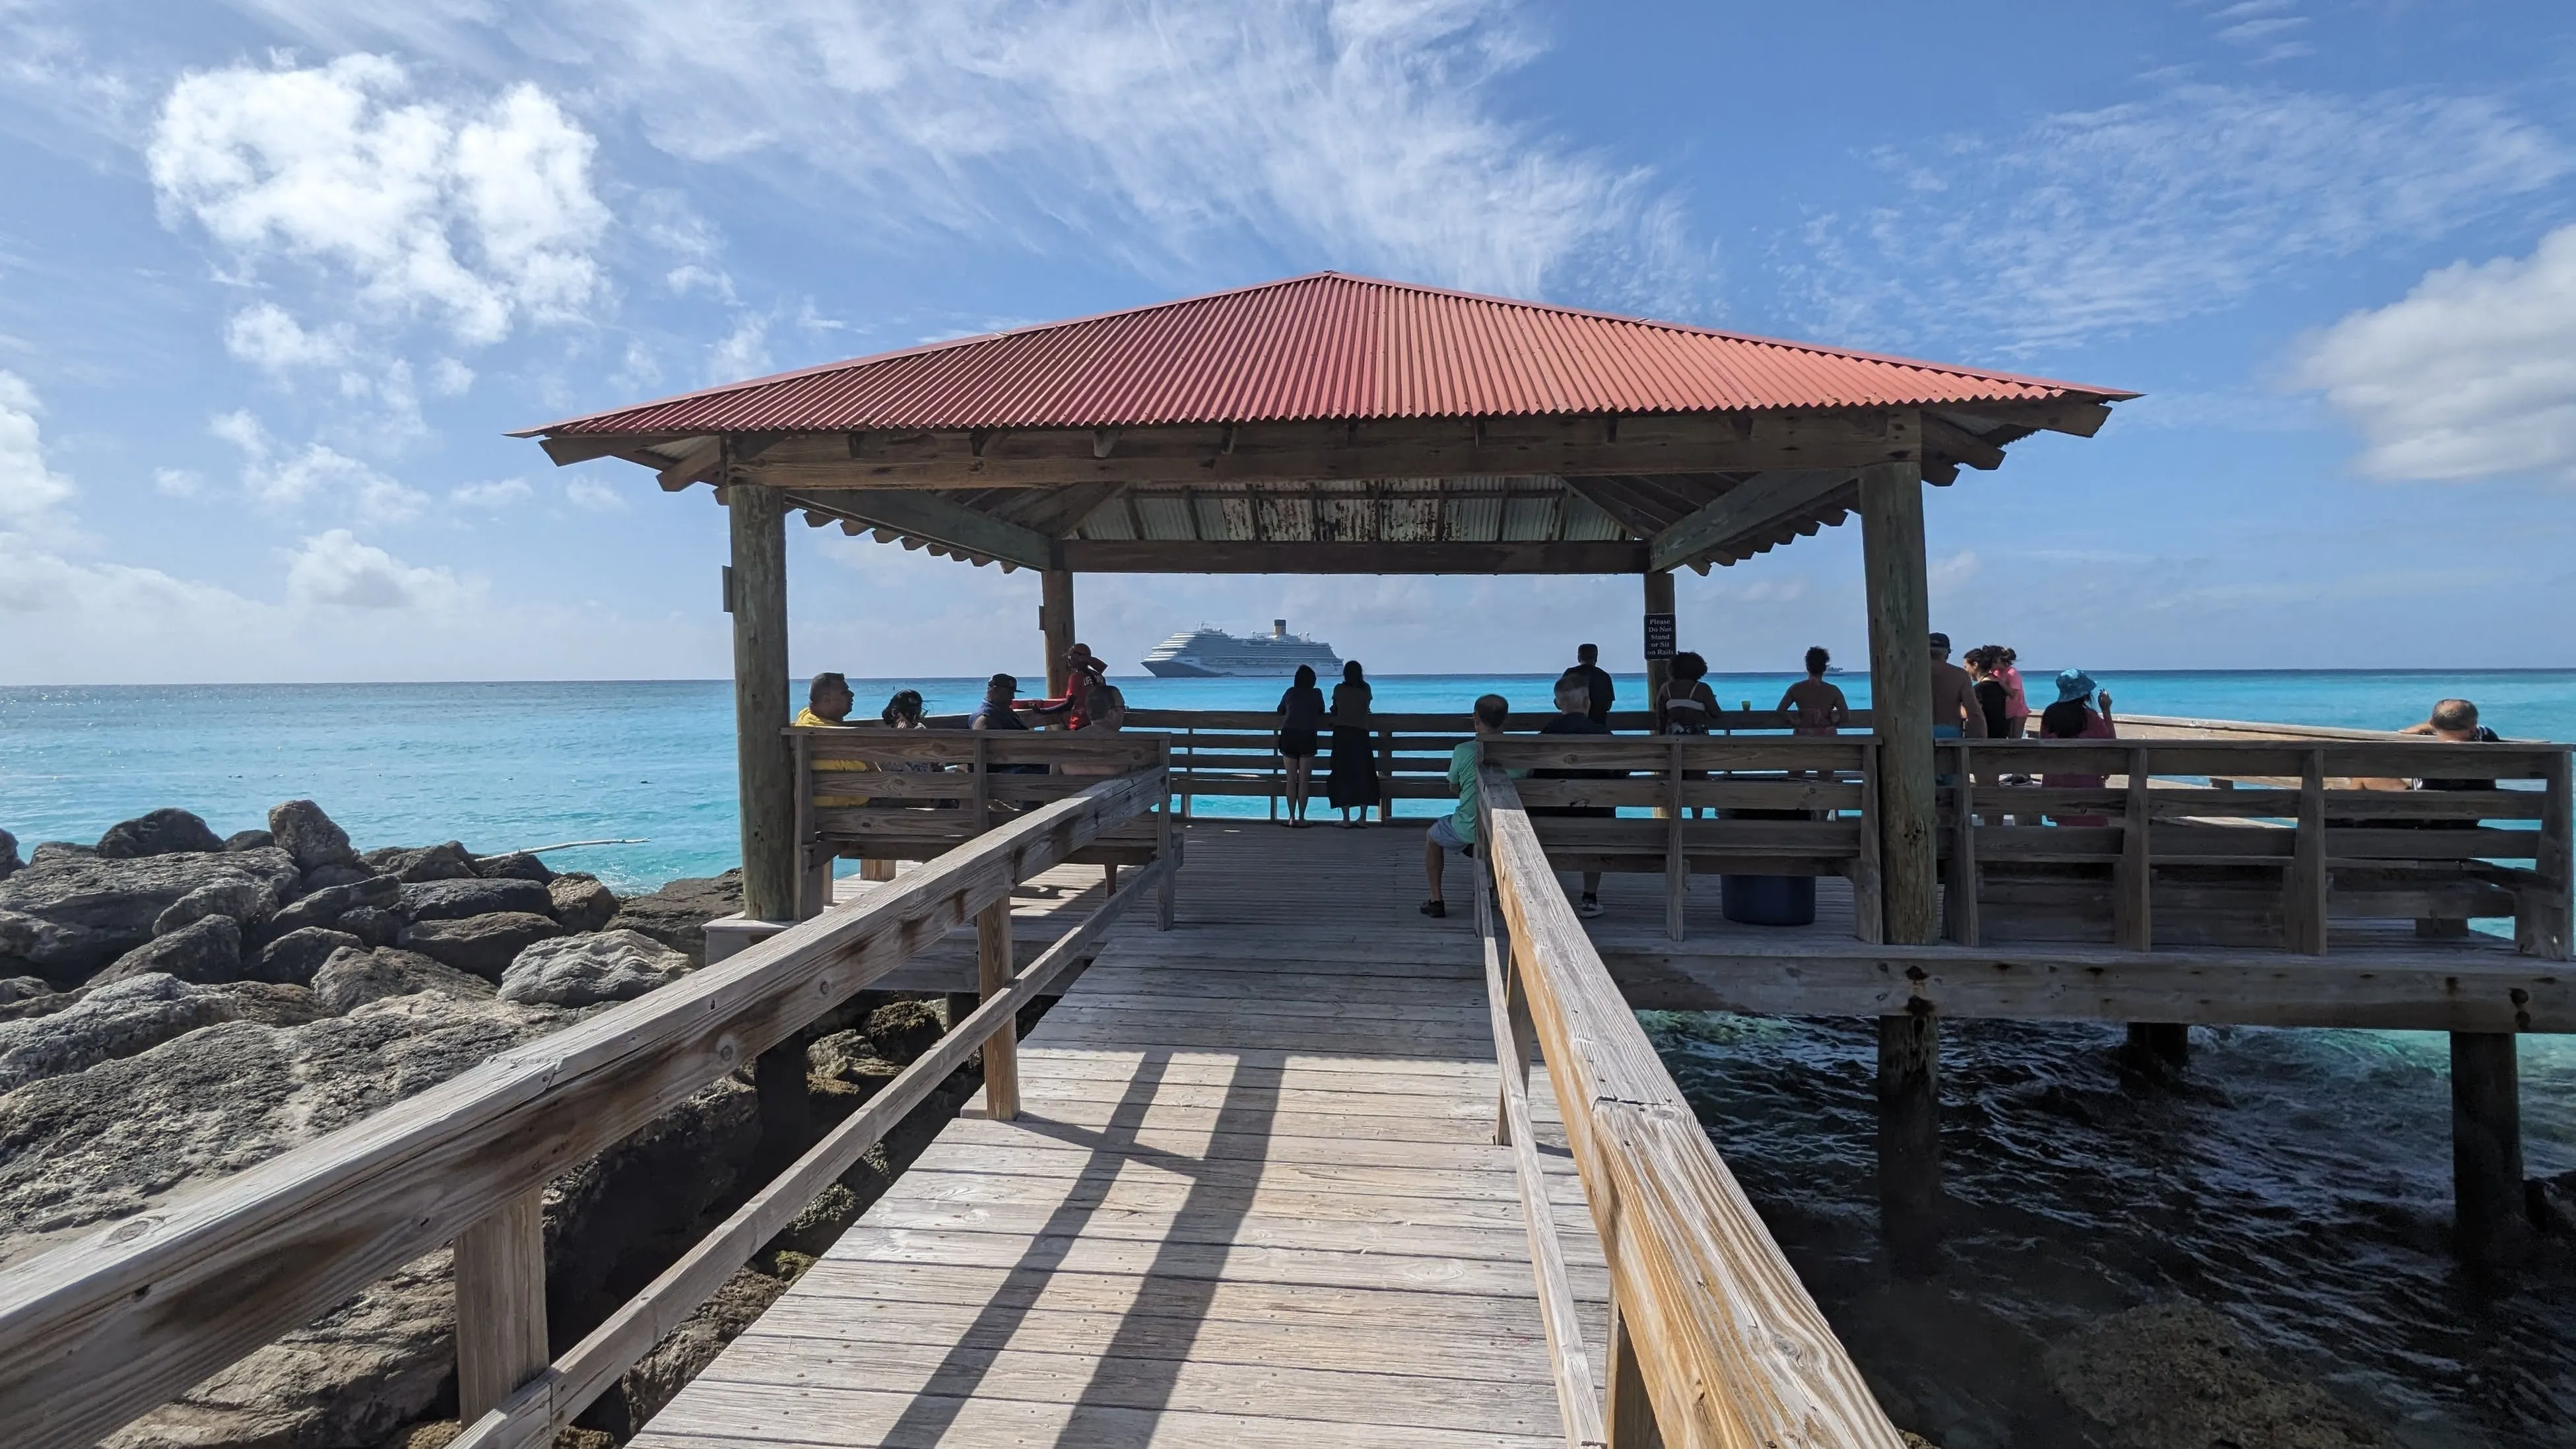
[[1207, 653]]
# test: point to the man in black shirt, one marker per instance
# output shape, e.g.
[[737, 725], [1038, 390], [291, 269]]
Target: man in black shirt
[[1596, 683]]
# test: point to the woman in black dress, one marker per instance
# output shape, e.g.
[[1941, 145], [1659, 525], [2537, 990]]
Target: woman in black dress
[[1353, 785], [1301, 714]]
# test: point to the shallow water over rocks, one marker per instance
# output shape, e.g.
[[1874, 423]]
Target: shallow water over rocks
[[2295, 1182]]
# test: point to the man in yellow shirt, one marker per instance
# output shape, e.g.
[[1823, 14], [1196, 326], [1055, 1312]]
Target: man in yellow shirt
[[828, 706]]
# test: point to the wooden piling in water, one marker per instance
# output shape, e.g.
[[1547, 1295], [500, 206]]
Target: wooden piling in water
[[1909, 1140], [2486, 1149]]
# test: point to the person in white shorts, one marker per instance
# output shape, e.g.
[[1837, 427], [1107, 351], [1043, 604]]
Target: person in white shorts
[[1457, 829]]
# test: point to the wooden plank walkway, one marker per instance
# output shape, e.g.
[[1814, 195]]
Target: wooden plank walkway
[[1252, 1199]]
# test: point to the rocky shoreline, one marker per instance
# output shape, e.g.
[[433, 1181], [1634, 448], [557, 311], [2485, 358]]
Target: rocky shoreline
[[176, 1006]]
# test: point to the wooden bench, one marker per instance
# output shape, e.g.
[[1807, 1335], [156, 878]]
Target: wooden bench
[[921, 793], [2252, 842]]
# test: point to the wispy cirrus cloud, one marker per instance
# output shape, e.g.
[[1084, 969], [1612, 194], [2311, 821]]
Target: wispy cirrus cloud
[[1163, 134], [2103, 222]]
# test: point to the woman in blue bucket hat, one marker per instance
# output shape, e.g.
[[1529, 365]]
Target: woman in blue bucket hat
[[2074, 718]]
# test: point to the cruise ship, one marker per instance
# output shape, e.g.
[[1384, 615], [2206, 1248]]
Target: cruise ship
[[1205, 653]]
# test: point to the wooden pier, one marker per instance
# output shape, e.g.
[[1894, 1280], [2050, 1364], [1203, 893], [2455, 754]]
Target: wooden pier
[[1252, 1197]]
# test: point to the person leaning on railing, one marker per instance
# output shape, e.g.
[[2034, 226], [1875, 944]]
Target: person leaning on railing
[[1457, 829]]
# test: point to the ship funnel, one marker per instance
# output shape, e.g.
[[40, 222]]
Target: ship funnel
[[1278, 628]]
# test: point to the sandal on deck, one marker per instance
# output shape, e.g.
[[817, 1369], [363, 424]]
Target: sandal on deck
[[1435, 909]]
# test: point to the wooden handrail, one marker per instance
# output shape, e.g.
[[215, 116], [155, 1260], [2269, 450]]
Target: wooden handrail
[[547, 1404], [111, 1325], [1730, 1348]]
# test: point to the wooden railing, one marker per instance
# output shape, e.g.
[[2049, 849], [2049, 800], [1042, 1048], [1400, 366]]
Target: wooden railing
[[878, 794], [1713, 1341], [1763, 806], [107, 1327], [1235, 752], [2236, 841]]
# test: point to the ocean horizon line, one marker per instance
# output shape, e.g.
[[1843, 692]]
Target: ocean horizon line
[[2095, 668]]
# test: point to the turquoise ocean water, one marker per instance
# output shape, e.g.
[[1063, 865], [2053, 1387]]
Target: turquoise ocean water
[[2297, 1182], [502, 766]]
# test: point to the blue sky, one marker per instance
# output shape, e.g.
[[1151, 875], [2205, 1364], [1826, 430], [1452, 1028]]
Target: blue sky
[[277, 275]]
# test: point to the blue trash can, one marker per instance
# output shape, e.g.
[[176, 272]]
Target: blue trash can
[[1769, 900]]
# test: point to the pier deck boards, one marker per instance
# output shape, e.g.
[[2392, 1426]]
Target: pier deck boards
[[1252, 1199]]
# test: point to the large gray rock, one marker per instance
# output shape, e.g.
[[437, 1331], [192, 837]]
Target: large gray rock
[[372, 924], [162, 832], [337, 873], [249, 840], [587, 970], [448, 900], [325, 907], [450, 861], [247, 902], [484, 945], [66, 916], [9, 861], [104, 1143], [117, 1020], [204, 951], [313, 838], [581, 902], [23, 988], [2177, 1373], [677, 914], [292, 959], [350, 1378], [352, 977], [517, 865], [59, 852]]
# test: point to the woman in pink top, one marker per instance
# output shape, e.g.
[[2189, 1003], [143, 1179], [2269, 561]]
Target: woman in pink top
[[2016, 704], [2072, 719]]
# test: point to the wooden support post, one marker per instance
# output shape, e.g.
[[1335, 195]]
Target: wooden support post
[[1659, 672], [767, 781], [778, 1079], [1959, 911], [1909, 1140], [1055, 621], [1869, 918], [2544, 917], [1385, 776], [2486, 1149], [1676, 862], [500, 1303], [2134, 907], [1630, 1420], [2303, 904], [1900, 690], [1165, 842], [993, 966], [813, 862]]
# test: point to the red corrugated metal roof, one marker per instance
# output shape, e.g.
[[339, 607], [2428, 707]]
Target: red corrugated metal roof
[[1326, 346]]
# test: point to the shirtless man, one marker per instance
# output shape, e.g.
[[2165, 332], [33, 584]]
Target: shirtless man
[[1814, 706], [1955, 711]]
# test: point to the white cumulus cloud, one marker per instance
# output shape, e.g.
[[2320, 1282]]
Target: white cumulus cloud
[[482, 216], [289, 478], [267, 336], [2470, 375], [595, 494], [498, 493], [31, 492], [333, 567]]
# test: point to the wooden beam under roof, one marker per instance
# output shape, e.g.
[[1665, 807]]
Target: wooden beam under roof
[[1120, 556], [1757, 506], [930, 517], [1302, 452]]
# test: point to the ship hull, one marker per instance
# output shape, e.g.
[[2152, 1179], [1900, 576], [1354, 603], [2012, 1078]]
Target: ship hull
[[1180, 669]]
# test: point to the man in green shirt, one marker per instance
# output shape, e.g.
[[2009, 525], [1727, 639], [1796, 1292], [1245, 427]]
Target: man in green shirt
[[1457, 829]]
